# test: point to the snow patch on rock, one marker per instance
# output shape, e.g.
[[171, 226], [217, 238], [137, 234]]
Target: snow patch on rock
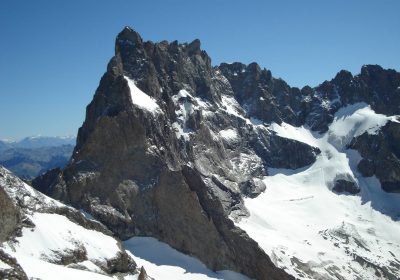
[[4, 266], [301, 133], [229, 134], [353, 120], [141, 99]]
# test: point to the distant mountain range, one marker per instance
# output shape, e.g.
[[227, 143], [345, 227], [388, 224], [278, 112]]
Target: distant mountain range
[[32, 142], [34, 155]]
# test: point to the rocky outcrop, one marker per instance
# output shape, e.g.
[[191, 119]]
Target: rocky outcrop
[[143, 275], [344, 186], [9, 216], [262, 96], [280, 152], [46, 179], [10, 268], [381, 155]]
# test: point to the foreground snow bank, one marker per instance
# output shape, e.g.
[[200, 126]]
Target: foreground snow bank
[[54, 234], [54, 246], [57, 248], [163, 262]]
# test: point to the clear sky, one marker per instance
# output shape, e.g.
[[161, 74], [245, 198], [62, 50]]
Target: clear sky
[[53, 53]]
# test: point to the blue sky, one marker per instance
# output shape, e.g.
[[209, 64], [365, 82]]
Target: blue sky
[[53, 53]]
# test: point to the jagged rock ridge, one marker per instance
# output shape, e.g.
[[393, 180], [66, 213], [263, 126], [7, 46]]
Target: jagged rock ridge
[[171, 145]]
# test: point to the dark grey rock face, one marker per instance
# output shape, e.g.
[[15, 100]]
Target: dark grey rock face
[[14, 271], [381, 155], [344, 186], [286, 153], [46, 179], [177, 172], [262, 96], [252, 188], [9, 216]]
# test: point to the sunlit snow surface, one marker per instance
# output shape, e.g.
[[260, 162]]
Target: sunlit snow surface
[[163, 262], [54, 235], [314, 233], [229, 134]]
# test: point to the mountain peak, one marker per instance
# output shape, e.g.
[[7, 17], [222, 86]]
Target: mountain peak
[[343, 77], [194, 47], [371, 68], [128, 36]]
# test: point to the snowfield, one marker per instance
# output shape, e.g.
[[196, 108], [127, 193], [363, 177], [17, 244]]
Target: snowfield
[[54, 234], [314, 233], [163, 262]]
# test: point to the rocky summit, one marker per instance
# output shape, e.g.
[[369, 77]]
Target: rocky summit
[[177, 149]]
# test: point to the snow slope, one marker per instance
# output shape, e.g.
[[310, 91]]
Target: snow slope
[[163, 262], [315, 233], [51, 246], [38, 250], [54, 234]]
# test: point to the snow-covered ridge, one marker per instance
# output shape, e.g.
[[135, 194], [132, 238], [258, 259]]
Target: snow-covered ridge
[[313, 232], [353, 120], [24, 195]]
